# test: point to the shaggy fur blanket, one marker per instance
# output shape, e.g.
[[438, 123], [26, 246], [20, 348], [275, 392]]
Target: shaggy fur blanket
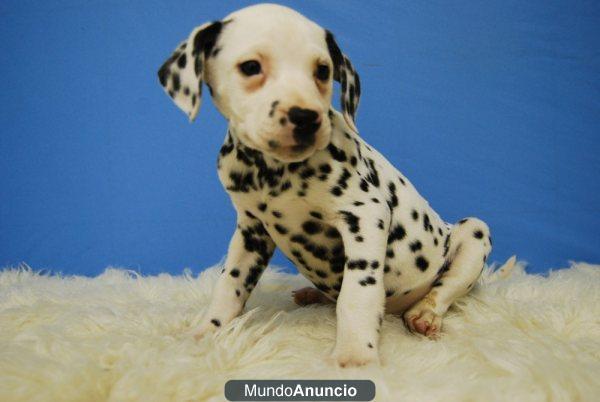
[[125, 337]]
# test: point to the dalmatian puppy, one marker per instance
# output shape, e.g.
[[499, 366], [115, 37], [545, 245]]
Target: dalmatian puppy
[[302, 179]]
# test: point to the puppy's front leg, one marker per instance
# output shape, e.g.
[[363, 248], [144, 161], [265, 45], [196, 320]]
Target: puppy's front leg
[[360, 305], [249, 252]]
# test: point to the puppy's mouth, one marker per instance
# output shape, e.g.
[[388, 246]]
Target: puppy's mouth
[[289, 144], [306, 135], [289, 153], [275, 146]]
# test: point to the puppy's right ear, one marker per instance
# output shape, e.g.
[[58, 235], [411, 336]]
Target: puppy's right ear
[[181, 75]]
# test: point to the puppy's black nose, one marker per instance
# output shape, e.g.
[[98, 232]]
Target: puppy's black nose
[[306, 122], [302, 117]]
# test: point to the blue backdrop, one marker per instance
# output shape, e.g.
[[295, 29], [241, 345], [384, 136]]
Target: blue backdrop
[[491, 110]]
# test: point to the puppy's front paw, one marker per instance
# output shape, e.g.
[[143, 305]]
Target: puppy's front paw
[[424, 321], [207, 326], [346, 356]]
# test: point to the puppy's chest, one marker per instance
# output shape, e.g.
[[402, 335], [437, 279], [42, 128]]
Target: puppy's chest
[[287, 199], [255, 181]]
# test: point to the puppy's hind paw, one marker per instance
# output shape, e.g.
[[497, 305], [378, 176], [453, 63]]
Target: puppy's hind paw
[[424, 322], [309, 295]]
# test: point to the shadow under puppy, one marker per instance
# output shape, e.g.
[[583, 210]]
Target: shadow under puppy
[[301, 179]]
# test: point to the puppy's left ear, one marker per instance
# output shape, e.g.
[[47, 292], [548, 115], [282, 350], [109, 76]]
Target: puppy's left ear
[[346, 75], [182, 74]]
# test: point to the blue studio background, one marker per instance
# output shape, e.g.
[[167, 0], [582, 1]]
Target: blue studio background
[[492, 109]]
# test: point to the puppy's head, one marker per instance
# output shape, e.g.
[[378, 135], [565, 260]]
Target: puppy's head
[[270, 72]]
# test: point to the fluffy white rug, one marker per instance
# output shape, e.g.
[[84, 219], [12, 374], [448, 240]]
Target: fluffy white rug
[[123, 337]]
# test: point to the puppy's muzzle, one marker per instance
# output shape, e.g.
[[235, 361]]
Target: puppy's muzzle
[[306, 122]]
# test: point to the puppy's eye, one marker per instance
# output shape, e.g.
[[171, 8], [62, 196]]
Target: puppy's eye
[[322, 72], [250, 67]]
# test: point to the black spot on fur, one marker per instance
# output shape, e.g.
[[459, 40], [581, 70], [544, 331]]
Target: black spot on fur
[[241, 182], [421, 263], [235, 272], [364, 185], [252, 278], [176, 82], [307, 173], [273, 106], [369, 280], [478, 234], [343, 180], [316, 215], [215, 322], [397, 233], [298, 238], [426, 223], [280, 229], [294, 166], [312, 227], [181, 61], [332, 233], [372, 175], [415, 246], [336, 153], [336, 264], [322, 287], [351, 220], [357, 264], [325, 168], [446, 245], [205, 39], [393, 200]]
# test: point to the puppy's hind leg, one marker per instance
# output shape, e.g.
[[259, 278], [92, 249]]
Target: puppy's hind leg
[[466, 251]]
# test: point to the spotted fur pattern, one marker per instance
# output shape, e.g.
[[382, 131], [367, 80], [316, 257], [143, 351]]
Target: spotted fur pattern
[[347, 219]]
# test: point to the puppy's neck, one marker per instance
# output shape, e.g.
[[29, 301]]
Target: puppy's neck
[[249, 156]]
